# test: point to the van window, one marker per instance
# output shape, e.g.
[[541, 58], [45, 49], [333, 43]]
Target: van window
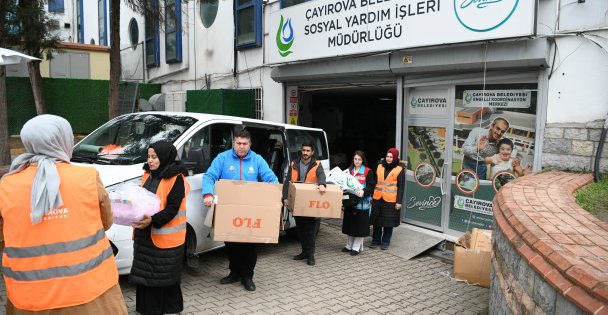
[[268, 142], [297, 137], [198, 152]]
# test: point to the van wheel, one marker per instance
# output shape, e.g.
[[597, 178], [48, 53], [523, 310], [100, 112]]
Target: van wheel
[[192, 260]]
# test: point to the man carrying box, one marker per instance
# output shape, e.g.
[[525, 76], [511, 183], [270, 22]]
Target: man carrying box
[[238, 163], [306, 169]]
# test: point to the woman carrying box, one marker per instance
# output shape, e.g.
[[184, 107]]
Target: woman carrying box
[[356, 216], [158, 248]]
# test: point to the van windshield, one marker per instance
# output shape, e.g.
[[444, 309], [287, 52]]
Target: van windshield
[[125, 139], [316, 138]]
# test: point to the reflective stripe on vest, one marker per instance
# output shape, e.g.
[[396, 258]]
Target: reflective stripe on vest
[[387, 188], [66, 259], [56, 272], [173, 233], [311, 176]]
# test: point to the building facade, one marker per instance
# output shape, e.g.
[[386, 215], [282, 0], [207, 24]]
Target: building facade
[[428, 77]]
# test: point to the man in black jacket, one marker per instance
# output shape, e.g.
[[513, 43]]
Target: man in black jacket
[[308, 170]]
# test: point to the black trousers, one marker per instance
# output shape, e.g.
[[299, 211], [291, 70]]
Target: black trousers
[[242, 258], [159, 300], [307, 228]]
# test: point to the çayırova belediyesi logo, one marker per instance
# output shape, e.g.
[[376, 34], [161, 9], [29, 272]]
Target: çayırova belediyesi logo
[[484, 15], [285, 37]]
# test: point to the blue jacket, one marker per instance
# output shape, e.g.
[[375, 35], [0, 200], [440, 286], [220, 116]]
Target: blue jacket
[[227, 165]]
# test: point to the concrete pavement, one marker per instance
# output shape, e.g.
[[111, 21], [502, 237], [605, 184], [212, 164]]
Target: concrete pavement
[[374, 282]]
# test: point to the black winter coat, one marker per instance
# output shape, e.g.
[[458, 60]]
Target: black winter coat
[[356, 222], [153, 266], [383, 212]]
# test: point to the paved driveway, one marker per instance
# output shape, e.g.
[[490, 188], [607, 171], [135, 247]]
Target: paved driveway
[[374, 282]]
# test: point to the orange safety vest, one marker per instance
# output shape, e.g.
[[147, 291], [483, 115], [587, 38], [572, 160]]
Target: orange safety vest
[[66, 259], [311, 177], [387, 188], [173, 233]]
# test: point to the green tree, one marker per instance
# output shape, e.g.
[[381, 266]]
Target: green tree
[[7, 22], [147, 8], [36, 38]]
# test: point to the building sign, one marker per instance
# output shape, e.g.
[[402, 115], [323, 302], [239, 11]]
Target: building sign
[[473, 204], [497, 98], [428, 102], [292, 101], [330, 28]]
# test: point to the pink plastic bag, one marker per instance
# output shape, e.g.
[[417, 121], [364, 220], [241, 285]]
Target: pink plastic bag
[[130, 202]]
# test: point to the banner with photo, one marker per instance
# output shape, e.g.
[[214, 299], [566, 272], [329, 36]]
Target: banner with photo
[[494, 132]]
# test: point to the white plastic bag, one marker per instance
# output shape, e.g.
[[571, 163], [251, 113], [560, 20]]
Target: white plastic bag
[[130, 202], [346, 181]]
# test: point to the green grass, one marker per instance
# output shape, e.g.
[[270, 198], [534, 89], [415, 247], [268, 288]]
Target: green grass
[[594, 198]]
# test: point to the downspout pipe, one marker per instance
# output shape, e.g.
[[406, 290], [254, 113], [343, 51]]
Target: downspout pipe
[[598, 154], [235, 51]]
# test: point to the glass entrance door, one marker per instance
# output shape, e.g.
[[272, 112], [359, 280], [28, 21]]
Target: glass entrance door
[[426, 143]]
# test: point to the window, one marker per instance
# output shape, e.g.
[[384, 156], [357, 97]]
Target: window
[[152, 37], [173, 31], [248, 23], [56, 6], [80, 21], [133, 33], [259, 106], [208, 11], [198, 151], [102, 23], [128, 137], [267, 141], [297, 137], [289, 3]]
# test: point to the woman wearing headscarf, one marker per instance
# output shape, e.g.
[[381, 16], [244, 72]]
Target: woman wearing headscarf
[[56, 258], [356, 216], [158, 249], [387, 199]]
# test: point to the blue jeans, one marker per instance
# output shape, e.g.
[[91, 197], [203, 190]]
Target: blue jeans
[[479, 167], [380, 238]]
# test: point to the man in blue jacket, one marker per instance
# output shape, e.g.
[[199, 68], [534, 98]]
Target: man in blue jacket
[[238, 163]]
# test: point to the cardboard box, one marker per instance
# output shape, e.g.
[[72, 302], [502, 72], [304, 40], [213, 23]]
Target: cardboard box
[[305, 200], [247, 212], [472, 257]]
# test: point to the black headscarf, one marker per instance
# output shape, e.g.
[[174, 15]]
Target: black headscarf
[[390, 166], [169, 167]]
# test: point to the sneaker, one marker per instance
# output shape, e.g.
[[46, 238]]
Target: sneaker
[[354, 253], [373, 245], [248, 284], [300, 256], [345, 250], [231, 278], [384, 247]]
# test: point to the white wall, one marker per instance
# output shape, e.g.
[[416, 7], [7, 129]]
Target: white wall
[[577, 91], [577, 88], [132, 60]]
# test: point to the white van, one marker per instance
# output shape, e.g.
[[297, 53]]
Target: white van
[[118, 150]]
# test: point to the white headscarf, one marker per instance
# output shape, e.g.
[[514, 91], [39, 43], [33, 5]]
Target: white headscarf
[[48, 139]]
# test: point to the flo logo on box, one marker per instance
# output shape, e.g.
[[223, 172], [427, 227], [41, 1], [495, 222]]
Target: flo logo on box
[[484, 15], [315, 204]]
